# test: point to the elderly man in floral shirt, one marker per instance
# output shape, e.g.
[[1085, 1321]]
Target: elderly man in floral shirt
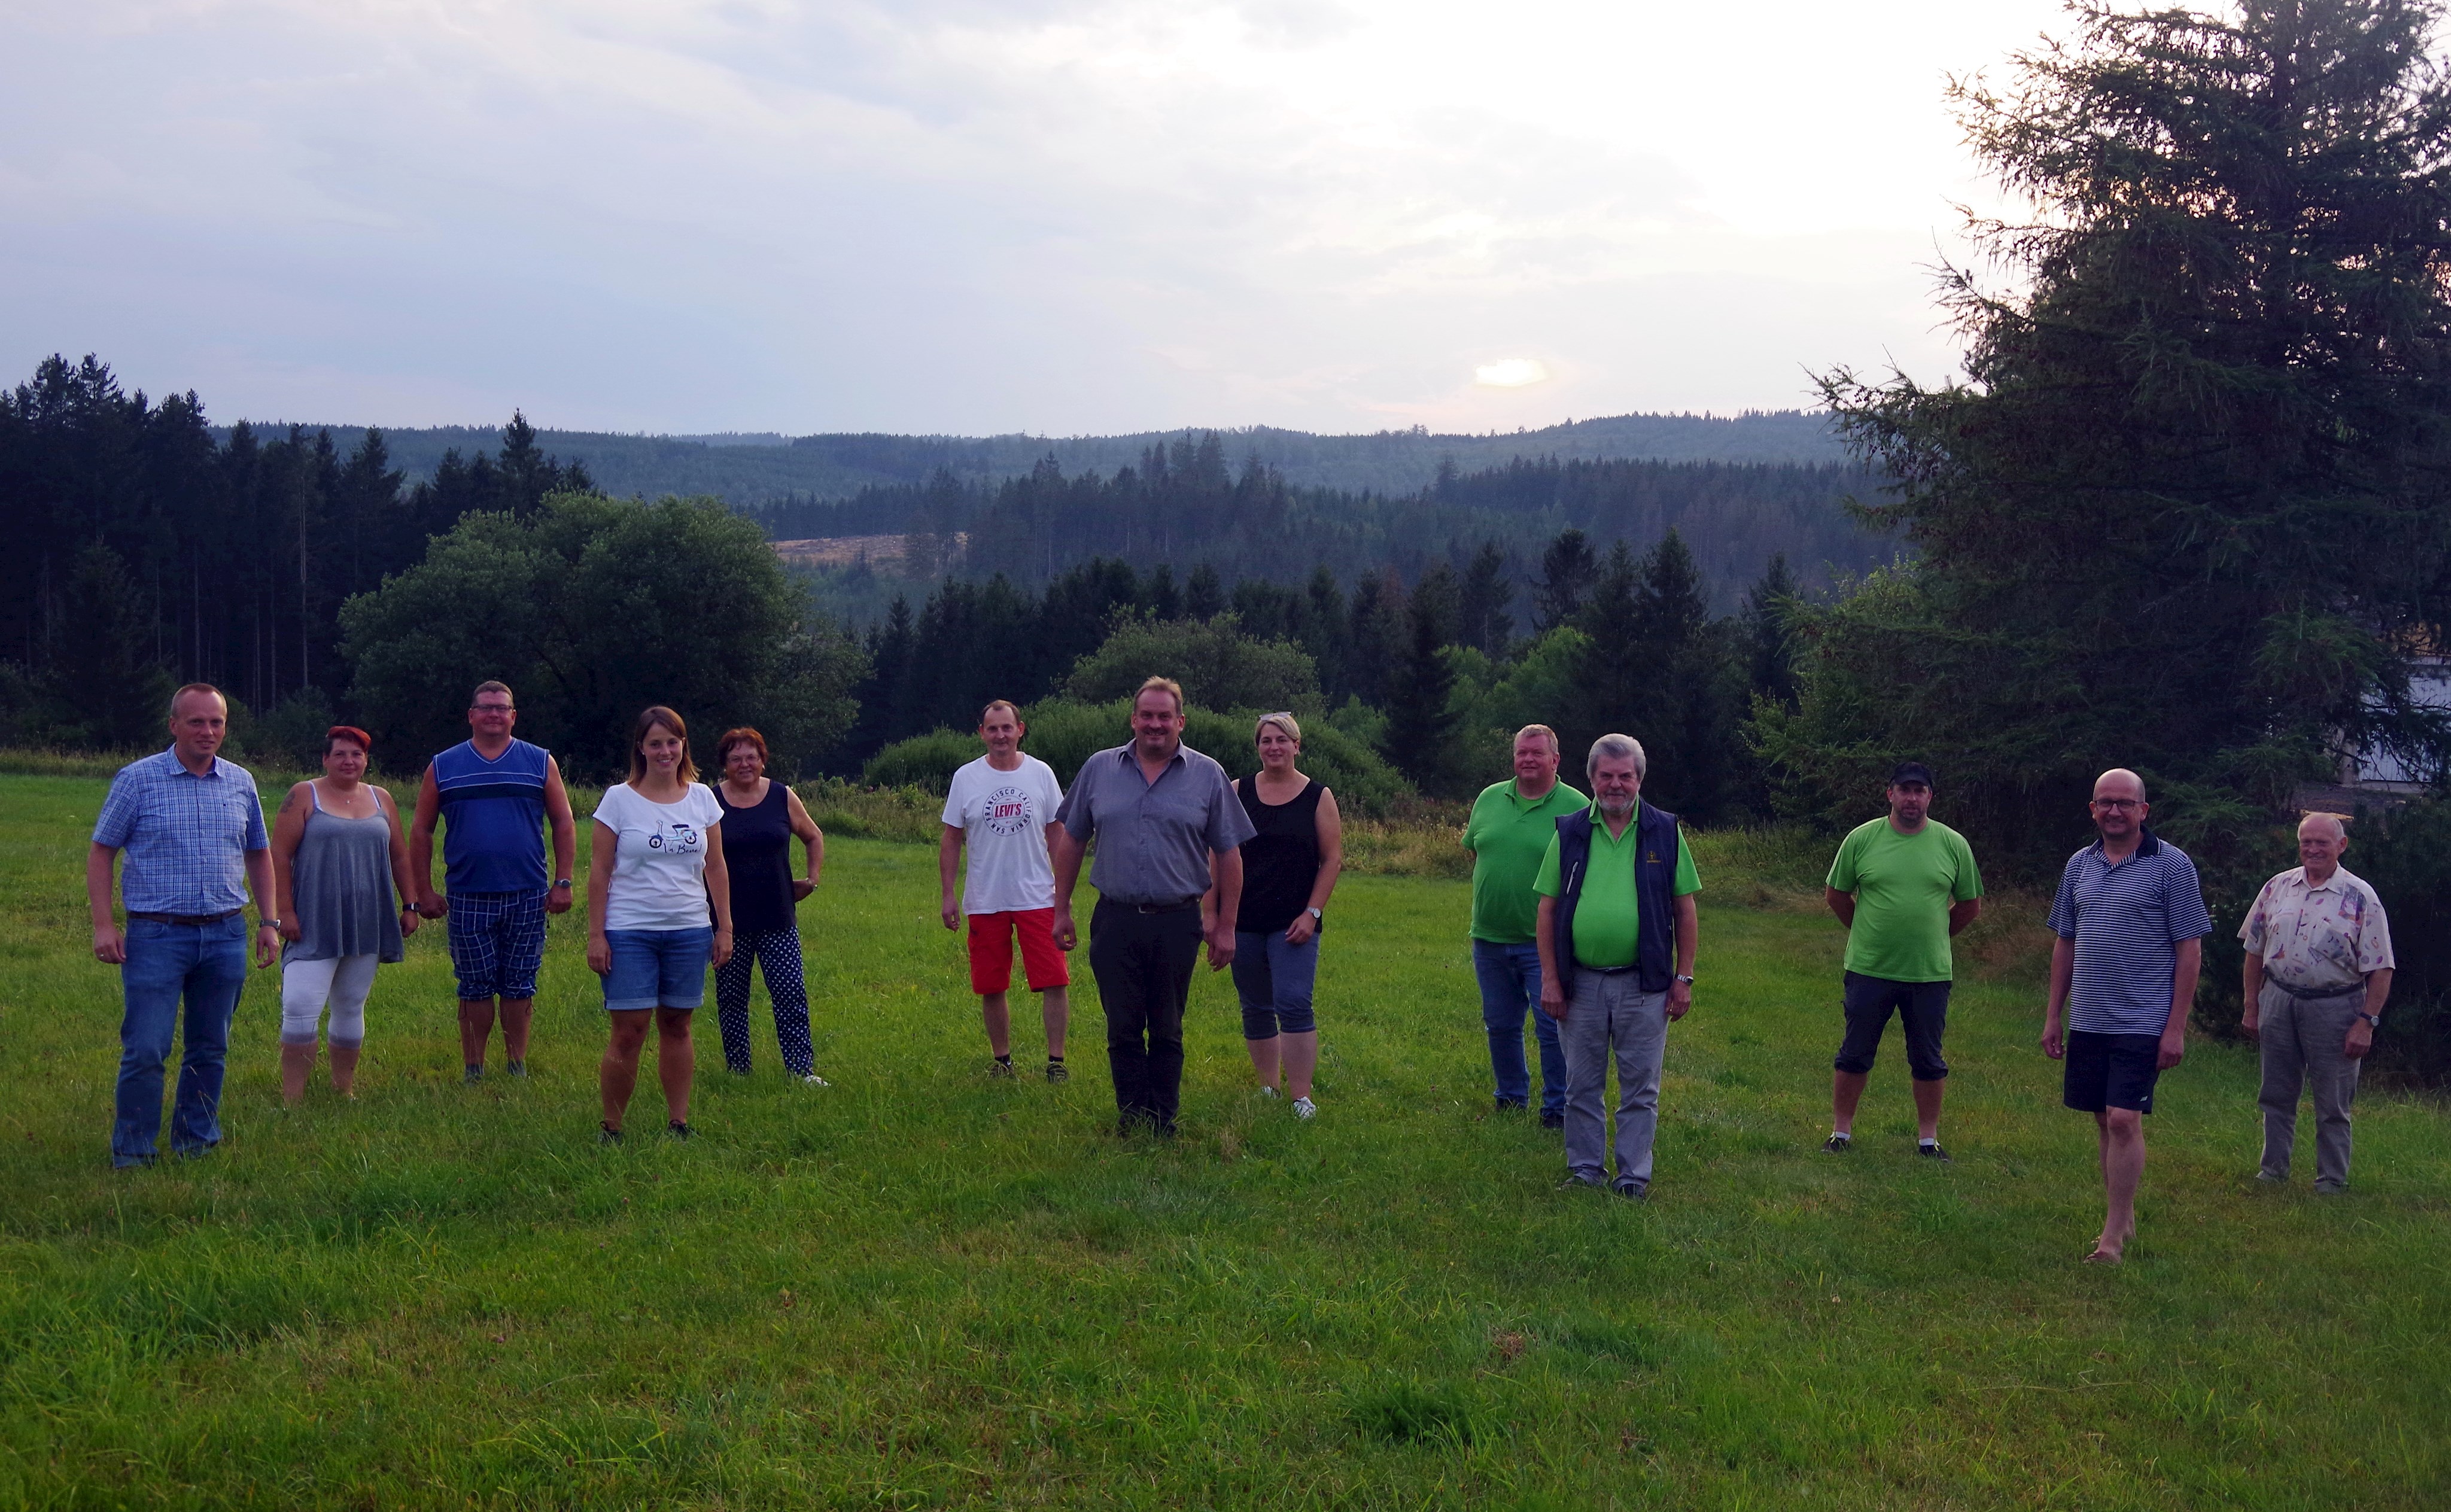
[[2318, 970]]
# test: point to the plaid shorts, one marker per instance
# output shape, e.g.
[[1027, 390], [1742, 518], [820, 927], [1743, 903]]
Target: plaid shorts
[[497, 943]]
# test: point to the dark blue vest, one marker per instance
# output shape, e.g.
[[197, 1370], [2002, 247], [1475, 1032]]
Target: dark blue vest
[[1654, 876]]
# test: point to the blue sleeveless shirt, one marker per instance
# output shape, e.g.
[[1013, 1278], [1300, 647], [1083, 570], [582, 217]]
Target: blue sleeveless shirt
[[493, 818]]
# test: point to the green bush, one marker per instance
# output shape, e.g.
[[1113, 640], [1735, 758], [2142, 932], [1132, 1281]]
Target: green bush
[[1063, 733], [1217, 664]]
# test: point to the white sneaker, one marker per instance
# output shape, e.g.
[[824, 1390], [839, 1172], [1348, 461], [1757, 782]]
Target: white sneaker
[[1267, 1092], [813, 1079], [1304, 1108]]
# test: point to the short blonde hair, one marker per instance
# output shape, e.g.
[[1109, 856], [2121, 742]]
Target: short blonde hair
[[1282, 722], [1544, 731], [1157, 684]]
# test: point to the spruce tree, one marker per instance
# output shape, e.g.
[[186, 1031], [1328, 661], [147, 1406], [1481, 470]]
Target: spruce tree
[[2186, 513]]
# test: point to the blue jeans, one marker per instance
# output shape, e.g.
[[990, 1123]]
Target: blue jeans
[[1510, 987], [657, 969], [204, 964], [1274, 981]]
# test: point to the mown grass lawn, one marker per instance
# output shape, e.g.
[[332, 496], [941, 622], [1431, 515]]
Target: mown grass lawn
[[922, 1288]]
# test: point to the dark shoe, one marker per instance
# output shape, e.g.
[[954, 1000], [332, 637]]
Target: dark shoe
[[1934, 1152], [471, 1075], [1839, 1143], [1000, 1069], [1512, 1105], [135, 1163], [2268, 1179], [607, 1135], [2330, 1188], [1575, 1182], [1549, 1120], [1057, 1072], [1633, 1191], [678, 1129], [516, 1068]]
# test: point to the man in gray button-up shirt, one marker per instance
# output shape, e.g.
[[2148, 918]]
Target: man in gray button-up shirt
[[1168, 824]]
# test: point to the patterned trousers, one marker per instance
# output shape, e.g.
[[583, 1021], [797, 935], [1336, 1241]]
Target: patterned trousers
[[778, 952]]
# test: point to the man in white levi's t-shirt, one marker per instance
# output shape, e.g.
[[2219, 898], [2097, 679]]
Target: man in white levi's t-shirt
[[1003, 806]]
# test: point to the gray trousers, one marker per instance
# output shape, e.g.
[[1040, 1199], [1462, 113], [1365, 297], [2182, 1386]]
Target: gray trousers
[[2300, 1038], [1605, 1014]]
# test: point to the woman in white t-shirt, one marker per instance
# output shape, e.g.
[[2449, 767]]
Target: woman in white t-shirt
[[660, 912]]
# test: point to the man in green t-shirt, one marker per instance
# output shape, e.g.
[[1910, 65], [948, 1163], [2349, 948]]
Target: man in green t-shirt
[[1902, 885], [1617, 925], [1512, 824]]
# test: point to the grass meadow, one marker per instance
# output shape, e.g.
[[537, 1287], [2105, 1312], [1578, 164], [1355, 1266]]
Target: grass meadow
[[922, 1288]]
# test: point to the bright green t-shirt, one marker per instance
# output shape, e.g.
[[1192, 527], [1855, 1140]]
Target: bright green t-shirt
[[1904, 884], [1608, 919], [1506, 834]]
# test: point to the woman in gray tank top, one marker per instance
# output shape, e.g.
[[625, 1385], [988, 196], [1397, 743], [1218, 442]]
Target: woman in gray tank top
[[341, 886]]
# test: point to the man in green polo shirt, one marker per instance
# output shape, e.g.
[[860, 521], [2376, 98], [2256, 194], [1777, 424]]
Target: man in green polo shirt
[[1617, 930], [1513, 824], [1902, 885]]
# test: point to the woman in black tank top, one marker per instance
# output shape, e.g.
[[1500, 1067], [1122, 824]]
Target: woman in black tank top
[[760, 817], [1288, 870]]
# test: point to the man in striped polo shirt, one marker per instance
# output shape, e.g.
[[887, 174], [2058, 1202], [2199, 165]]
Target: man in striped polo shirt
[[495, 796], [2130, 919]]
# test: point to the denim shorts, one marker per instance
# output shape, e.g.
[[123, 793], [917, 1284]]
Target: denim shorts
[[657, 967]]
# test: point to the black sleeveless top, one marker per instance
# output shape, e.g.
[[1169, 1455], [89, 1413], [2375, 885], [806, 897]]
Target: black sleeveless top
[[757, 852], [1280, 863]]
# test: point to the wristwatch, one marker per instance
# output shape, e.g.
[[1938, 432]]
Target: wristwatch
[[1315, 916], [1682, 977], [561, 881], [271, 924], [2373, 1020]]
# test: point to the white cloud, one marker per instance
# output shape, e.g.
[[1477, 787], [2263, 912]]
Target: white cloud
[[1068, 215]]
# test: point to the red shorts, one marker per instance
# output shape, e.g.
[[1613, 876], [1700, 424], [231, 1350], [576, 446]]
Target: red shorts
[[991, 950]]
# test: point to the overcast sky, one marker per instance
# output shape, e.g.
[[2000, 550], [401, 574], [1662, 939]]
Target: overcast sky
[[1063, 216]]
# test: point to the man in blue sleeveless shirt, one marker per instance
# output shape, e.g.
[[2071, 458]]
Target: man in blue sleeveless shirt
[[497, 793]]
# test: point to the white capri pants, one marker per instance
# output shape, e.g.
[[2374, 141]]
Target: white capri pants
[[307, 986]]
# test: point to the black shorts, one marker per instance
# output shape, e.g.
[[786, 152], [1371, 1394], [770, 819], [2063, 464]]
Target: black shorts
[[2112, 1071], [1922, 1007]]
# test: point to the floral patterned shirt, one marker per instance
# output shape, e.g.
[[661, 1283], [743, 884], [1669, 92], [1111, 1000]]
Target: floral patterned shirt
[[2314, 937]]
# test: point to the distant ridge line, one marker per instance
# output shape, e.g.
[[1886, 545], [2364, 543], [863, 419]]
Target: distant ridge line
[[749, 468]]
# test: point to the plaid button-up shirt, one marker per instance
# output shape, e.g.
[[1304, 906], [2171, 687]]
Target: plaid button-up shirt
[[186, 836]]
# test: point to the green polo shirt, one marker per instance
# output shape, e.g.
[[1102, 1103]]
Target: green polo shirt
[[1904, 886], [1506, 834], [1608, 920]]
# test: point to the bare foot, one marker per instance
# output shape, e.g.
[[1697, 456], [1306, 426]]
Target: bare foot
[[2102, 1256]]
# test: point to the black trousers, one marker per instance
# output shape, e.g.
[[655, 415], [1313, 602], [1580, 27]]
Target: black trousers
[[1144, 964]]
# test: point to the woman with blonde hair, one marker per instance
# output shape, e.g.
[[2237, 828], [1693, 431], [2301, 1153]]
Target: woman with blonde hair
[[1288, 870], [659, 911]]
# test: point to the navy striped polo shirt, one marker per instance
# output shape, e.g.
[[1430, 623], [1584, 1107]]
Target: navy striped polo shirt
[[2128, 922], [493, 818]]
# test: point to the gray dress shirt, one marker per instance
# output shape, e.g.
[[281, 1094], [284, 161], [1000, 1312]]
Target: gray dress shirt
[[1153, 837]]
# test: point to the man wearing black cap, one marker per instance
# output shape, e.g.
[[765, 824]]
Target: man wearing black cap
[[1902, 885]]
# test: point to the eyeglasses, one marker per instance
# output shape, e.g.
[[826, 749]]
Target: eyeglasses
[[2118, 803], [489, 708]]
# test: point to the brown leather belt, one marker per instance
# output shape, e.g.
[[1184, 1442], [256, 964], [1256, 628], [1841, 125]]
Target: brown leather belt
[[189, 919]]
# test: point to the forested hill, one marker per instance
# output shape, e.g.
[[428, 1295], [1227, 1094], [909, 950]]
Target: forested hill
[[746, 469], [1184, 507]]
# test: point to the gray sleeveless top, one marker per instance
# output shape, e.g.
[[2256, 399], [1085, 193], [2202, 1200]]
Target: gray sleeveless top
[[341, 880]]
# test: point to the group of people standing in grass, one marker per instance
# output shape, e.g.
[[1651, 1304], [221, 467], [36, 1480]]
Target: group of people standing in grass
[[1586, 914], [1584, 918]]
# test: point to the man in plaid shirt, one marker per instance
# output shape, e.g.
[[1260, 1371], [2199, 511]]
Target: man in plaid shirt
[[193, 831]]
